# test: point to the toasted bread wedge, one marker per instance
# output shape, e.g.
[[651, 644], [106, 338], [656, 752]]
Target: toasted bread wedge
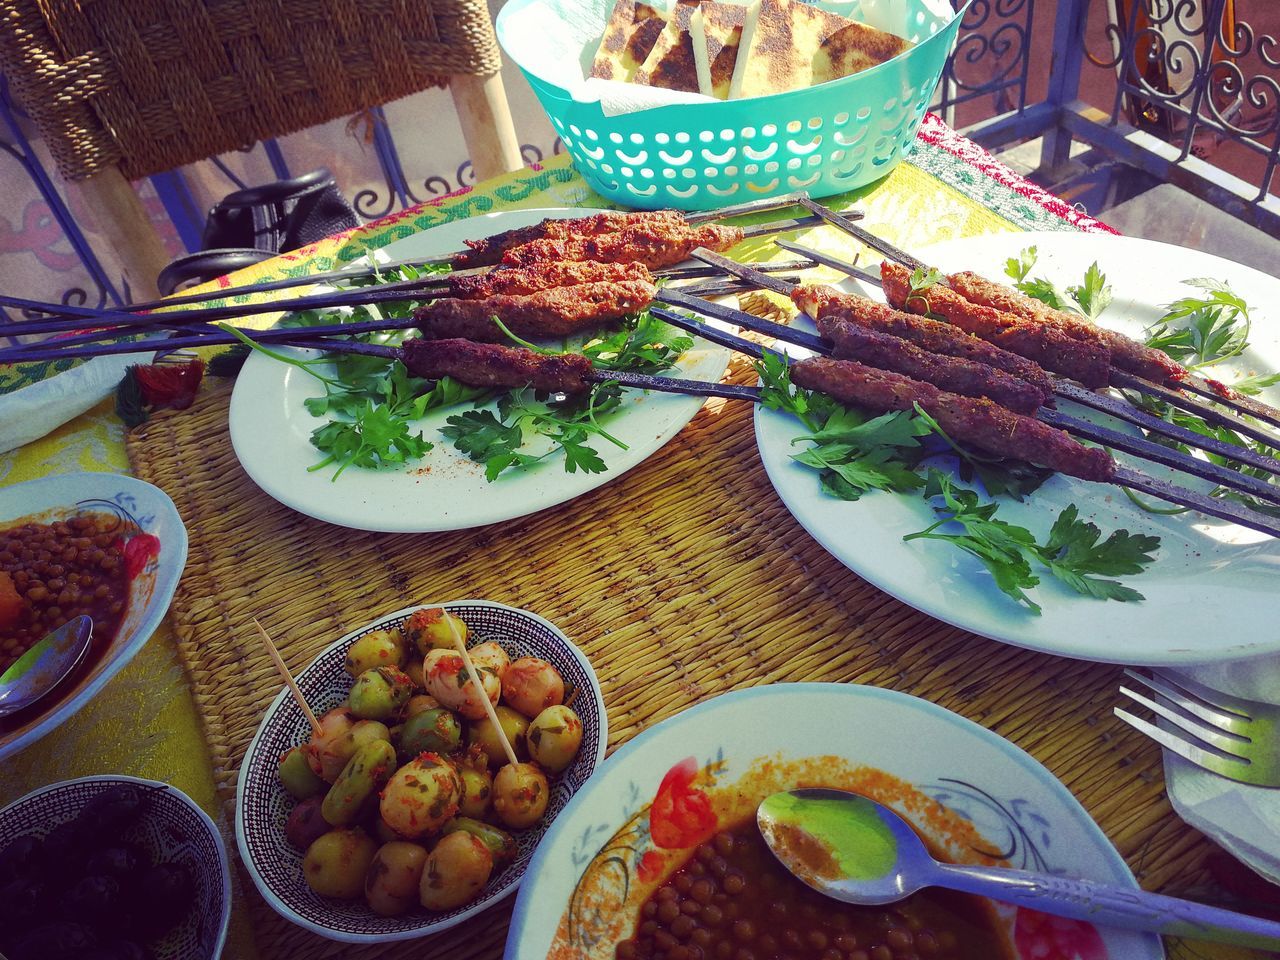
[[717, 31], [853, 48], [789, 44], [670, 63], [632, 31]]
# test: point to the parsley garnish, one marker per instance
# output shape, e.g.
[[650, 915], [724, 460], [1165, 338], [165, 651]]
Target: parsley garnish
[[922, 280], [1202, 331], [1072, 553], [1088, 299]]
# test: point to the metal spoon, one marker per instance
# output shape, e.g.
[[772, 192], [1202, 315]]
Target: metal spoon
[[40, 669], [856, 850]]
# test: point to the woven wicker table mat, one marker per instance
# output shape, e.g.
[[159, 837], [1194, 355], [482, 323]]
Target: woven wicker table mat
[[681, 580]]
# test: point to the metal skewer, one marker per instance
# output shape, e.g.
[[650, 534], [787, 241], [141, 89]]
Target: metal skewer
[[1120, 409], [1135, 446]]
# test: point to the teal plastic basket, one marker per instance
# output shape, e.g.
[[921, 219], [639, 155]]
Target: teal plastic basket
[[825, 139]]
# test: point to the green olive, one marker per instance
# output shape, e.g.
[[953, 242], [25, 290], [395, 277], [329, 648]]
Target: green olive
[[429, 630], [381, 648], [421, 796], [325, 750], [477, 791], [298, 778], [520, 795], [336, 863], [554, 737], [378, 694], [482, 734], [419, 702], [456, 871], [435, 731], [530, 685], [391, 886], [370, 767], [500, 843]]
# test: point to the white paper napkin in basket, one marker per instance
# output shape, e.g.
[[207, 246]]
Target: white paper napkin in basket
[[556, 41], [1244, 820]]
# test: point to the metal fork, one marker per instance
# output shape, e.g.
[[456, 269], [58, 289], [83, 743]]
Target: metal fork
[[1234, 738]]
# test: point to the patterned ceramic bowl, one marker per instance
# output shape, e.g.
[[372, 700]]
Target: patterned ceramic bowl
[[262, 805], [976, 798], [155, 548], [173, 830]]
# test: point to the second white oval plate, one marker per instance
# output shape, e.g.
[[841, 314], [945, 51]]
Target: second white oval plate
[[1211, 593], [271, 433]]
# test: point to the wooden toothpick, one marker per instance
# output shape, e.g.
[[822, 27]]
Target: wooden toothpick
[[289, 682], [475, 678]]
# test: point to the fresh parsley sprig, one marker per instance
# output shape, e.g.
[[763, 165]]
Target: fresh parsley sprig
[[1088, 299], [1072, 553]]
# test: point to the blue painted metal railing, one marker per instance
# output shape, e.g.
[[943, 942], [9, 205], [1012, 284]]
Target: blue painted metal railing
[[1182, 69]]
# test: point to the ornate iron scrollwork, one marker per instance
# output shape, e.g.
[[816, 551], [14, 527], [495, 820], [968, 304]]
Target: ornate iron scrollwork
[[991, 58]]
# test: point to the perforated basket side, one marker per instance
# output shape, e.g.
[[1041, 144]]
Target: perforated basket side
[[826, 139]]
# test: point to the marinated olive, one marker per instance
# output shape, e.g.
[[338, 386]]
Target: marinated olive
[[381, 648], [321, 750], [370, 767], [381, 832], [378, 694], [435, 731], [500, 843], [391, 886], [336, 864], [554, 738], [531, 685], [23, 903], [168, 890], [490, 655], [340, 752], [414, 669], [477, 791], [520, 795], [64, 846], [306, 823], [419, 702], [20, 858], [297, 777], [482, 734], [456, 870], [450, 683], [421, 796], [429, 630], [92, 899]]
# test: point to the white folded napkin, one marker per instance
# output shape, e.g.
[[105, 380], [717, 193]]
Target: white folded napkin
[[556, 41], [33, 411], [1244, 820]]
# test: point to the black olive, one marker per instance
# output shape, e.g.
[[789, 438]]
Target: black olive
[[168, 891], [54, 941], [19, 858], [124, 862], [63, 848], [118, 950], [23, 902], [112, 810], [92, 899]]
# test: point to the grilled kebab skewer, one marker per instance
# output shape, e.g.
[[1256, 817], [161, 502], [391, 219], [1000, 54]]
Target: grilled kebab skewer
[[981, 422], [941, 337], [1131, 355]]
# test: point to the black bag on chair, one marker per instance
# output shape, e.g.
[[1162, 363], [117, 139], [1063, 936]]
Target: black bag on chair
[[255, 224]]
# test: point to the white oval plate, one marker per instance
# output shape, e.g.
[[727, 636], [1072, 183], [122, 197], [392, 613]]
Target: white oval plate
[[1211, 593], [263, 805], [1015, 804], [152, 512], [271, 433]]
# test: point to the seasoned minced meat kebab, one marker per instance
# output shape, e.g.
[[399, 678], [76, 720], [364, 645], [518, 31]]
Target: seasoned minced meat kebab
[[489, 250], [655, 246], [1088, 362]]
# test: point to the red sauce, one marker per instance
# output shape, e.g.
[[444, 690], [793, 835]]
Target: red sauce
[[732, 900]]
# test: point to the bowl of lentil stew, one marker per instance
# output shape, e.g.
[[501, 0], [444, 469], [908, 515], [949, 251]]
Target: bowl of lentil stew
[[655, 856], [101, 544]]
